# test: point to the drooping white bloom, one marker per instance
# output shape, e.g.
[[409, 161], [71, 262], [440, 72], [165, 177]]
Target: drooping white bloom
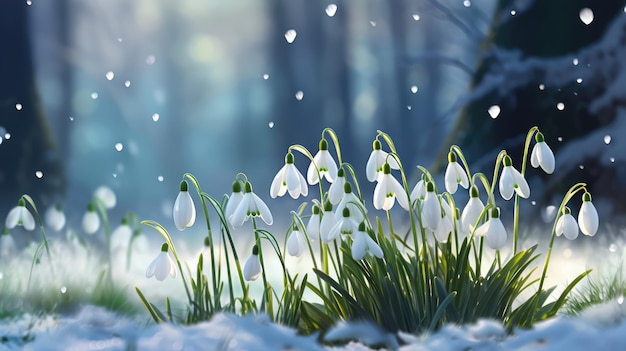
[[184, 212], [313, 225], [471, 211], [162, 266], [289, 179], [444, 228], [120, 238], [296, 243], [431, 208], [419, 190], [335, 191], [325, 163], [512, 180], [20, 215], [588, 216], [252, 268], [250, 206], [566, 225], [55, 218], [345, 225], [455, 175], [542, 155], [234, 199], [493, 230], [7, 244], [106, 195], [351, 201], [91, 220], [362, 243], [328, 222], [375, 162], [387, 190]]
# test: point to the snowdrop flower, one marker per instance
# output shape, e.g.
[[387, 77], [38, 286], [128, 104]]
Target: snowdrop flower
[[444, 228], [91, 220], [588, 216], [431, 209], [387, 190], [234, 199], [289, 179], [7, 244], [106, 195], [362, 244], [335, 191], [121, 235], [493, 230], [328, 222], [162, 266], [512, 180], [471, 211], [20, 215], [455, 175], [566, 225], [351, 201], [296, 243], [250, 206], [419, 190], [542, 155], [55, 218], [252, 268], [376, 160], [313, 225], [346, 225], [184, 212], [325, 165]]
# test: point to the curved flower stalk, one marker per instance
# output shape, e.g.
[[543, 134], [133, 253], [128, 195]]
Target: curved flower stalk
[[566, 225], [322, 166], [363, 244], [493, 230], [336, 189], [55, 218], [162, 266], [472, 210], [541, 155], [588, 216], [184, 212], [313, 225], [351, 201], [387, 190], [91, 220], [378, 157], [20, 216], [250, 206], [289, 179], [455, 175], [106, 195], [252, 268], [512, 181]]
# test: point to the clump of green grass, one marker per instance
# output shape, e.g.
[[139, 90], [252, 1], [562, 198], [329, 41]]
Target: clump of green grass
[[596, 290]]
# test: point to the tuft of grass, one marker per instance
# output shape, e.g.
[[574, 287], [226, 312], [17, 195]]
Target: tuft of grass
[[596, 290]]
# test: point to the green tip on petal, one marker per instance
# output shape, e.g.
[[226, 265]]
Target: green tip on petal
[[430, 187], [347, 188], [255, 250], [289, 158], [566, 210], [457, 213], [508, 161], [91, 207], [346, 212], [323, 144], [124, 220], [207, 241], [248, 187], [386, 168], [236, 186], [164, 247], [474, 191], [362, 226], [451, 157], [539, 137], [21, 202], [341, 172], [376, 145], [586, 196], [328, 206], [5, 231], [495, 212], [316, 209], [58, 206], [184, 186]]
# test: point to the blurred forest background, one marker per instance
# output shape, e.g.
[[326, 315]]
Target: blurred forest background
[[134, 94]]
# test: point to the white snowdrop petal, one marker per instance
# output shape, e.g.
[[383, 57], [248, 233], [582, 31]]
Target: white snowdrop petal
[[450, 179], [373, 247], [162, 267], [570, 227], [431, 211], [55, 219], [398, 189], [27, 219], [335, 192], [231, 205], [358, 246], [264, 211], [331, 173], [506, 184], [546, 157], [313, 226], [252, 268], [293, 180], [241, 212], [496, 236], [278, 188], [151, 269], [107, 196], [380, 193], [13, 217], [91, 222], [304, 187], [326, 226], [483, 229], [534, 157], [522, 189], [470, 213], [588, 218], [184, 212], [311, 172], [371, 166], [419, 191]]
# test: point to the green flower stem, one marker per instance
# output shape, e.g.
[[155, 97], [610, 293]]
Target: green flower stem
[[490, 197], [496, 170], [44, 242], [107, 234], [459, 153], [266, 294], [335, 139], [529, 136]]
